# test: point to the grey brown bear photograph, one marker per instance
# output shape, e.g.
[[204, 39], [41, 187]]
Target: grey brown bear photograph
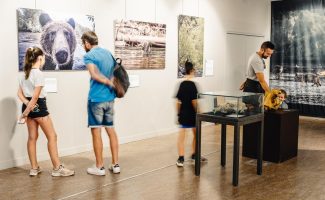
[[58, 35]]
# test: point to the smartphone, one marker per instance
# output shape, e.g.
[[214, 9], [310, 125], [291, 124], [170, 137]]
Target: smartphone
[[22, 121]]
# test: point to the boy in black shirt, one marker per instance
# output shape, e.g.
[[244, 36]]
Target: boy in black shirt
[[186, 109]]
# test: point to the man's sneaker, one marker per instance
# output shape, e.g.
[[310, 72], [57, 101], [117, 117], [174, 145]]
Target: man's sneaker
[[96, 171], [203, 159], [115, 168], [35, 172], [180, 162], [62, 171]]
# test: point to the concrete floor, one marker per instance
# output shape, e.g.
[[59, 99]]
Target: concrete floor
[[149, 172]]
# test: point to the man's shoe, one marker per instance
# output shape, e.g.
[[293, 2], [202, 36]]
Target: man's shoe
[[96, 171], [115, 168]]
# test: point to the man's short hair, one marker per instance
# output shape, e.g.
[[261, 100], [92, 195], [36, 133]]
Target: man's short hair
[[90, 37], [267, 45]]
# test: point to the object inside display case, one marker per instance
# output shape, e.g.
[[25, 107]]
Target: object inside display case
[[230, 108], [230, 104]]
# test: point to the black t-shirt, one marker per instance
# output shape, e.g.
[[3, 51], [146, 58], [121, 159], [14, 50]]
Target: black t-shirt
[[186, 93]]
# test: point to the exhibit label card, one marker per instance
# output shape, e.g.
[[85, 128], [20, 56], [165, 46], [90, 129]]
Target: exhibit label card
[[134, 80], [51, 85], [209, 68]]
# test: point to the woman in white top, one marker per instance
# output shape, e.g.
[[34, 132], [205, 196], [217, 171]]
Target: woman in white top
[[34, 112]]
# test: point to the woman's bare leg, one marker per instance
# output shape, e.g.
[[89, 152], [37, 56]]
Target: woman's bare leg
[[32, 126], [48, 129]]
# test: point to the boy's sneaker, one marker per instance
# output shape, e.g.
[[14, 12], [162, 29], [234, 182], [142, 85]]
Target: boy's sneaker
[[203, 159], [62, 171], [35, 172], [96, 171], [180, 162], [115, 168]]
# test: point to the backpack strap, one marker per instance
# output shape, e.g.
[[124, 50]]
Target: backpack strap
[[117, 60]]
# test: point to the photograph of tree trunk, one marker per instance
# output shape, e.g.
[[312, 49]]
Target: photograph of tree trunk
[[190, 43], [141, 45]]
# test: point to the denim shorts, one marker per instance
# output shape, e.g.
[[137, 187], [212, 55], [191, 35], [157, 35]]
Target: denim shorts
[[100, 114]]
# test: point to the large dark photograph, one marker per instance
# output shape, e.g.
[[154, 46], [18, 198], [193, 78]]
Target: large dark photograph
[[298, 63]]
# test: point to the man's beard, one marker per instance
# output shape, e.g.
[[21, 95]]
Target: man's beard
[[264, 57]]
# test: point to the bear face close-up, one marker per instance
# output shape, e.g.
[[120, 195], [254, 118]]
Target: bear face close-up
[[58, 41]]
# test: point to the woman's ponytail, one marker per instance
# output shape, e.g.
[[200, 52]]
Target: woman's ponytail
[[31, 56]]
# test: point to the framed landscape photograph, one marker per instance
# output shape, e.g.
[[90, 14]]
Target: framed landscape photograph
[[141, 45]]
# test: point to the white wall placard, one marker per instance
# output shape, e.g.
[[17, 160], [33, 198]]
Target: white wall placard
[[51, 85], [208, 67], [134, 80]]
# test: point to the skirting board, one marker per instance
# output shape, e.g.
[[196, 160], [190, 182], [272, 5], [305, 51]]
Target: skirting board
[[43, 156], [88, 147], [148, 135], [15, 162]]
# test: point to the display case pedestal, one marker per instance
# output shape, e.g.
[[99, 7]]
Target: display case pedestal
[[236, 122], [280, 136]]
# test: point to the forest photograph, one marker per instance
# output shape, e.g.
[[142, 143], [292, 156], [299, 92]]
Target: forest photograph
[[190, 43]]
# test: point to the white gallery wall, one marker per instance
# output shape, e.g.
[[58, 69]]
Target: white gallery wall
[[146, 111]]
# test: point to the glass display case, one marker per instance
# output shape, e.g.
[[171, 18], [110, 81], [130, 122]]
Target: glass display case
[[230, 104], [235, 109]]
